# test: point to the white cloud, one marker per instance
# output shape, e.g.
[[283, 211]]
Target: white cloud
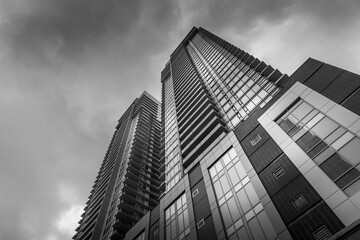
[[68, 220]]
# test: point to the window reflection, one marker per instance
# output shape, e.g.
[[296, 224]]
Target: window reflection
[[177, 219], [237, 198], [334, 149]]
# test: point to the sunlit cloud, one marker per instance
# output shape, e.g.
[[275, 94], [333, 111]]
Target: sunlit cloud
[[68, 220]]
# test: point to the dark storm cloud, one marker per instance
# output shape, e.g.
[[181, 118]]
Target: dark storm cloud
[[75, 23]]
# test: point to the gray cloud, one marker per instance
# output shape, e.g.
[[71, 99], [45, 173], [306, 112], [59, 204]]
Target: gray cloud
[[70, 68]]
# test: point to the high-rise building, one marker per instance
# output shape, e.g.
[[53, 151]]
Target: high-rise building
[[127, 185], [251, 153]]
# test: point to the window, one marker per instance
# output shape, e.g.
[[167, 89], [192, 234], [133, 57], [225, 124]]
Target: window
[[299, 202], [156, 234], [334, 149], [322, 233], [278, 172], [255, 140], [141, 236], [239, 204], [177, 219]]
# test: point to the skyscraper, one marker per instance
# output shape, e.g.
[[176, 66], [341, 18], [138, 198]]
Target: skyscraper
[[127, 185], [251, 153]]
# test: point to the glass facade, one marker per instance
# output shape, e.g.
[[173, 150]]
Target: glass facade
[[177, 219], [236, 87], [334, 149], [241, 210], [172, 151]]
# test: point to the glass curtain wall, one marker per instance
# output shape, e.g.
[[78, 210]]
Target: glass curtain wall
[[334, 149], [172, 151], [236, 87], [177, 219], [242, 213]]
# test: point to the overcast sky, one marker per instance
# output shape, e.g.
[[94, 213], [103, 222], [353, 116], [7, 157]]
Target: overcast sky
[[69, 69]]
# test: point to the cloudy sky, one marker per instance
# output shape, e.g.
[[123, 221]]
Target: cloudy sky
[[69, 68]]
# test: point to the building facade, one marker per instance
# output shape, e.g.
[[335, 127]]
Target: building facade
[[127, 185], [251, 153]]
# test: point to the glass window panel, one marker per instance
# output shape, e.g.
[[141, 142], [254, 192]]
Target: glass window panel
[[226, 107], [235, 120], [232, 153], [239, 223], [242, 234], [262, 94], [256, 230], [317, 149], [218, 166], [299, 133], [254, 199], [167, 214], [234, 210], [178, 203], [323, 128], [342, 141], [250, 106], [287, 123], [250, 93], [307, 141], [240, 170], [172, 209], [181, 223], [224, 183], [244, 201], [186, 218], [256, 100], [226, 159], [351, 151], [173, 229], [309, 116], [226, 215], [348, 178], [244, 99], [233, 176], [315, 120], [302, 110], [256, 88], [324, 155], [218, 190], [212, 172], [168, 232], [294, 129], [266, 225], [183, 199], [335, 135], [334, 167], [353, 188]]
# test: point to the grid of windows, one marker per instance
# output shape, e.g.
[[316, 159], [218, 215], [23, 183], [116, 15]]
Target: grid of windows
[[240, 206], [172, 156], [334, 149], [119, 182], [237, 88], [177, 219]]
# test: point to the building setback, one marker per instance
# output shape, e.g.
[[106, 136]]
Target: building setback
[[127, 185], [251, 153]]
